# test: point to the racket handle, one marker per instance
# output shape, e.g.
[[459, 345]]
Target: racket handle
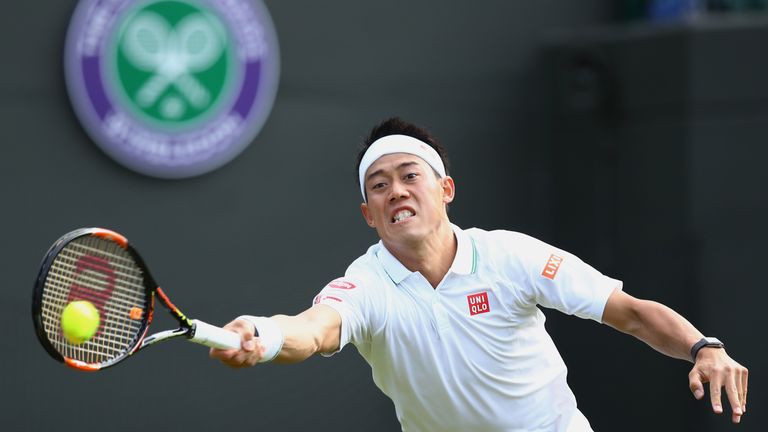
[[214, 337]]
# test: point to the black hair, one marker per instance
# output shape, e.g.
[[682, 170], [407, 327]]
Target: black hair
[[398, 126]]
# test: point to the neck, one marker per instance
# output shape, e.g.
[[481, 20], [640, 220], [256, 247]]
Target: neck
[[431, 256]]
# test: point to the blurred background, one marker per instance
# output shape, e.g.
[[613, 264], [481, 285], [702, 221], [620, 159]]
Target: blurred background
[[631, 133]]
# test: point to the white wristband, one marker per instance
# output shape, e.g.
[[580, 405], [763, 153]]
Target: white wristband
[[269, 334]]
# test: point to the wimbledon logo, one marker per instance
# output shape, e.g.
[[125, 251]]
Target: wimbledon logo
[[172, 88]]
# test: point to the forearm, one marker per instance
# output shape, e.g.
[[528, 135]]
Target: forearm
[[664, 329], [660, 327], [315, 330], [300, 341]]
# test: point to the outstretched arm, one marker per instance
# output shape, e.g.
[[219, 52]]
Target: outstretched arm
[[668, 332], [316, 330]]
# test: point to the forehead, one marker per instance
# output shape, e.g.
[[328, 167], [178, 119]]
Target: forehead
[[392, 161]]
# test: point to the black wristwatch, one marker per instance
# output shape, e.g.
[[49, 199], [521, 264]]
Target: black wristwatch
[[705, 342]]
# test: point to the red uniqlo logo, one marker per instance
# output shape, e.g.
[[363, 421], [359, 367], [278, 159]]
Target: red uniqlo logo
[[553, 265], [478, 303]]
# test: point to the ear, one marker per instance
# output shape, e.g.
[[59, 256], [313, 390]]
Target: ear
[[367, 215], [449, 189]]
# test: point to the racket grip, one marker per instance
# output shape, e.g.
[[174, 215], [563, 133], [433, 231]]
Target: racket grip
[[212, 336]]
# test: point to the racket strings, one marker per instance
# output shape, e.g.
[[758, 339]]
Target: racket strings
[[100, 271]]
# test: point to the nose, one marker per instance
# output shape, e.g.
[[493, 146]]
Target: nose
[[398, 191]]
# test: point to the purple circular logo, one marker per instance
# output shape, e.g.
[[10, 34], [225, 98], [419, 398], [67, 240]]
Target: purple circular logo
[[172, 88]]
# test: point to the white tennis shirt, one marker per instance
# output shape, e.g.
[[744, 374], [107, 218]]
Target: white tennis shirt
[[472, 354]]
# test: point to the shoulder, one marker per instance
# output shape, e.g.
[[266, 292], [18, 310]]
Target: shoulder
[[363, 276], [365, 269], [504, 242], [510, 252], [360, 296], [366, 261]]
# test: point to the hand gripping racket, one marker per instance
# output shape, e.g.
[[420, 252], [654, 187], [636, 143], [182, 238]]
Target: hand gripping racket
[[100, 266]]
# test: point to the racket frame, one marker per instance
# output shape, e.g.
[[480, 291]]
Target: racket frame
[[186, 325]]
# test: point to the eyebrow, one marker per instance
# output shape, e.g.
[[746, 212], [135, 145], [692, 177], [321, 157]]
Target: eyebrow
[[381, 171]]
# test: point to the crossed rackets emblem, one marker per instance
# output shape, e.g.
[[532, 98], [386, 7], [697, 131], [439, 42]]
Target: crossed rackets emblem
[[172, 55]]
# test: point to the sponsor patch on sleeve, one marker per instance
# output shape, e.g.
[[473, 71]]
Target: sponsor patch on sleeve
[[341, 283], [553, 265], [322, 298]]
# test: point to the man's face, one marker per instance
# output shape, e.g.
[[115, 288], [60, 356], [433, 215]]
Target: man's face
[[406, 200]]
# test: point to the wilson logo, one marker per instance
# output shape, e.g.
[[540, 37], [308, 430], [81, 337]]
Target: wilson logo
[[553, 265], [478, 303]]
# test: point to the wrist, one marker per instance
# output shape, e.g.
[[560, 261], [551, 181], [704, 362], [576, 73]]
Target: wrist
[[269, 333], [706, 342]]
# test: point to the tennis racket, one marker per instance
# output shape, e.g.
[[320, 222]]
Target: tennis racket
[[100, 266]]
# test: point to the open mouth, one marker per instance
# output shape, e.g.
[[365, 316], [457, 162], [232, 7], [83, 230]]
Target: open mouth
[[402, 215]]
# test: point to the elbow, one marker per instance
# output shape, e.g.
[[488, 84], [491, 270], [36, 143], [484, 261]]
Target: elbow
[[625, 313]]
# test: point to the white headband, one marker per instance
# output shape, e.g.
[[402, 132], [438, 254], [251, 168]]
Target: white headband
[[398, 144]]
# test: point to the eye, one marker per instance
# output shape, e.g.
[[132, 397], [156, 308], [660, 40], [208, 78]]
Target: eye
[[378, 186], [411, 176]]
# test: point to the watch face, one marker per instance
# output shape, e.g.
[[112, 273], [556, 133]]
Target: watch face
[[713, 341]]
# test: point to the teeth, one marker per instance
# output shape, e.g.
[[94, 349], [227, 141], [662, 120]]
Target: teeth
[[402, 214]]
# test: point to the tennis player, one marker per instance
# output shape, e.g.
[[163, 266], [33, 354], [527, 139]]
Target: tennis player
[[448, 318]]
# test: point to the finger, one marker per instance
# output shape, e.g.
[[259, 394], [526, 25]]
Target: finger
[[250, 351], [245, 330], [247, 334], [233, 358], [739, 379], [732, 391], [745, 385], [715, 396], [248, 359], [222, 354], [694, 383], [248, 339]]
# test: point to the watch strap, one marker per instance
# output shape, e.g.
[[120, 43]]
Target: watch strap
[[703, 343]]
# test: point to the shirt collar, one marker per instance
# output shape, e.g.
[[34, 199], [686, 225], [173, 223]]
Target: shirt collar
[[464, 262], [466, 255]]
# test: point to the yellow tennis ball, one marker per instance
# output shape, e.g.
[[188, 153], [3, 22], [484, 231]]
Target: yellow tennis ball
[[79, 321]]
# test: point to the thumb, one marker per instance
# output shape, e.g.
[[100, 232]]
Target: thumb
[[695, 384], [249, 343]]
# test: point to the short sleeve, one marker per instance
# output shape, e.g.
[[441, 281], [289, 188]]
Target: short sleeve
[[345, 295], [560, 280]]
